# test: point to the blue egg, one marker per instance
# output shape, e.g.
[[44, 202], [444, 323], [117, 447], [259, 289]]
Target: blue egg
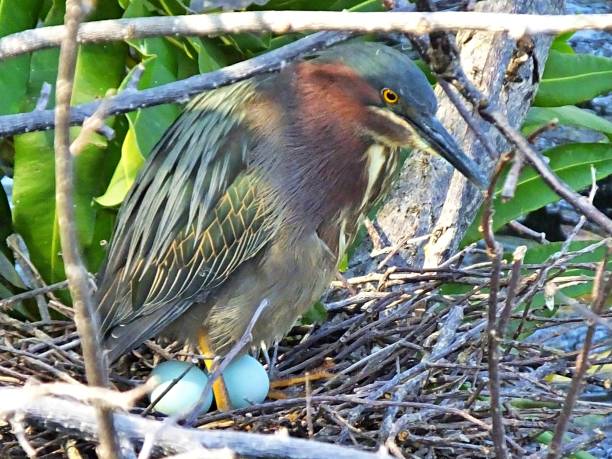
[[246, 381], [185, 394]]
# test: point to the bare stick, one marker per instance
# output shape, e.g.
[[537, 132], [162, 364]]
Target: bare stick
[[174, 439], [32, 293], [244, 340], [602, 289], [495, 252], [78, 281], [579, 202], [299, 21], [515, 278]]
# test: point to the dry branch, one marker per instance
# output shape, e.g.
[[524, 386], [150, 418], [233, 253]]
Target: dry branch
[[76, 416], [179, 91], [299, 21], [76, 273]]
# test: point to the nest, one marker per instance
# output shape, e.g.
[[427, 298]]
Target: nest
[[401, 361]]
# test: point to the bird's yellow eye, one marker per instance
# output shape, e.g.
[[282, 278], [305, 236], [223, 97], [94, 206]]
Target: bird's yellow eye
[[390, 96]]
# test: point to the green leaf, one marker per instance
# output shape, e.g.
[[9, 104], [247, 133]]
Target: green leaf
[[315, 315], [571, 162], [546, 437], [146, 125], [125, 174], [560, 43], [99, 68], [572, 78], [210, 56], [14, 72], [568, 114]]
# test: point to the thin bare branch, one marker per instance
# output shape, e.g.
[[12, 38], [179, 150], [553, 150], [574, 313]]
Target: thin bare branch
[[78, 280], [495, 253], [282, 22], [602, 288]]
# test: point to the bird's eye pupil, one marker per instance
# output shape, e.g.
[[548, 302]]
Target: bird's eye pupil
[[390, 96]]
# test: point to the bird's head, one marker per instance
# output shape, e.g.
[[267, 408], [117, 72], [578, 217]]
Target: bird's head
[[395, 102]]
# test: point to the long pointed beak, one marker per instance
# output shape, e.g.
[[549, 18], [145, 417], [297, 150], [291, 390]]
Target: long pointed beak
[[441, 142]]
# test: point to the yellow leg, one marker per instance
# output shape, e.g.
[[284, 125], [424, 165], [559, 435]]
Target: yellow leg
[[219, 389]]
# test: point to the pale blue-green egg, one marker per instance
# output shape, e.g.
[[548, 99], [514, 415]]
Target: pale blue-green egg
[[185, 394], [246, 381]]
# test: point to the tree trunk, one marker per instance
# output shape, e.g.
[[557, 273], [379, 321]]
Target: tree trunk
[[430, 198]]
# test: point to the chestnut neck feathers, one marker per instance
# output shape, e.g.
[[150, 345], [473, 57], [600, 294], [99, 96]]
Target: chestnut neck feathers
[[320, 162]]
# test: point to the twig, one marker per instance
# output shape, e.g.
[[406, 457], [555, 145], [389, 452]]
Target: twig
[[515, 278], [43, 98], [78, 280], [18, 430], [495, 253], [309, 423], [218, 368], [511, 181], [517, 25], [602, 289], [526, 231], [92, 124], [32, 293], [579, 202]]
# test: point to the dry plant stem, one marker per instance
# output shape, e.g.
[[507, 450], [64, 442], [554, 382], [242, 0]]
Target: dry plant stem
[[495, 253], [78, 281], [602, 289], [579, 202], [32, 293], [528, 232], [515, 278], [174, 439], [511, 180], [299, 21]]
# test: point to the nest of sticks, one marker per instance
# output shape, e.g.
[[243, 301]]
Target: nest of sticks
[[400, 361]]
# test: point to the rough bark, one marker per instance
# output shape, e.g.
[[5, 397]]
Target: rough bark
[[430, 198]]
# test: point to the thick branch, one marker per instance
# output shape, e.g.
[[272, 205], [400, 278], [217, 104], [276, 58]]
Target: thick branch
[[299, 21], [78, 281], [74, 416]]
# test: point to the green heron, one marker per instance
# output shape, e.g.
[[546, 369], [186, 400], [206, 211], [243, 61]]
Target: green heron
[[256, 191]]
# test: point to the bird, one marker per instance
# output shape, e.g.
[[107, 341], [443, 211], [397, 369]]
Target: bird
[[255, 192]]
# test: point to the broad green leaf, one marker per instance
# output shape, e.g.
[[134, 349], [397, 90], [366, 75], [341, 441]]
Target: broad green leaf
[[572, 78], [571, 162], [568, 114], [125, 173], [560, 43], [14, 72], [99, 68], [146, 125], [210, 56]]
